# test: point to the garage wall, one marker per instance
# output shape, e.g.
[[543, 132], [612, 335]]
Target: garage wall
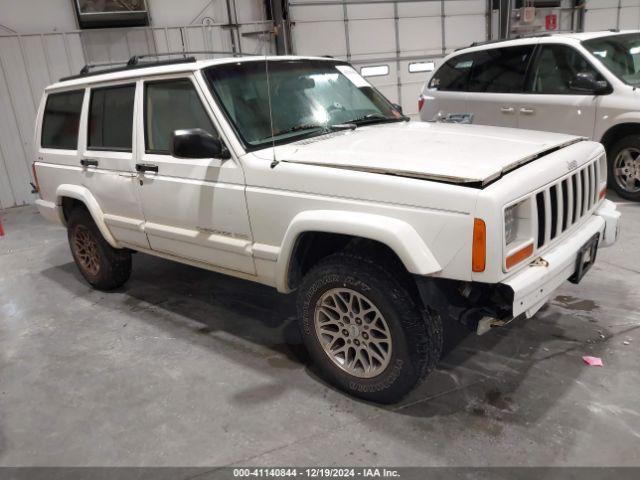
[[605, 14], [30, 60], [388, 34]]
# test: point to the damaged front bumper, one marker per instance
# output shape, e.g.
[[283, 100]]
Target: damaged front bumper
[[480, 306]]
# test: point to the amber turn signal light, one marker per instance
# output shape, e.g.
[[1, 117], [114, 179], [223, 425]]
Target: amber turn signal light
[[520, 255], [479, 249]]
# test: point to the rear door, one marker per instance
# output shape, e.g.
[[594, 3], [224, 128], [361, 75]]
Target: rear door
[[107, 155], [496, 84], [446, 92], [550, 103], [194, 208]]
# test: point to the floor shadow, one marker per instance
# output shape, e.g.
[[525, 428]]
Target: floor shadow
[[487, 377]]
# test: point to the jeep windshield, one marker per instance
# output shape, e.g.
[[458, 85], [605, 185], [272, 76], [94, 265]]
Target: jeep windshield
[[308, 98], [620, 54]]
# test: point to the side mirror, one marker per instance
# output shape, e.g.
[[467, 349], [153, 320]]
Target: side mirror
[[197, 143], [586, 82]]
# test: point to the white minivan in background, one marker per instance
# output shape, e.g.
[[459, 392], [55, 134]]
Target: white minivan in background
[[579, 83]]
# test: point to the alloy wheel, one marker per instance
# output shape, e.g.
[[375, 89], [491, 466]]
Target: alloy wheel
[[626, 169], [353, 332]]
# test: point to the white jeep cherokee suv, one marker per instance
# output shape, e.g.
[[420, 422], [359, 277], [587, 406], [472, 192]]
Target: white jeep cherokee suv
[[577, 83], [308, 179]]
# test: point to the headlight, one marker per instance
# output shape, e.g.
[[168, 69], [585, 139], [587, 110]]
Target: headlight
[[511, 223]]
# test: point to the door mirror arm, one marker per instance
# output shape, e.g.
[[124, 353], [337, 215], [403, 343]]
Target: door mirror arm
[[197, 143]]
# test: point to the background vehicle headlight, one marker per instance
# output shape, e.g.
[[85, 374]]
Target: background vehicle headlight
[[510, 224]]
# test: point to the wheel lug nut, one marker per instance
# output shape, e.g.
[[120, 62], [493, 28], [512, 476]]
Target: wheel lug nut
[[357, 342], [358, 321], [365, 335], [345, 332], [349, 341]]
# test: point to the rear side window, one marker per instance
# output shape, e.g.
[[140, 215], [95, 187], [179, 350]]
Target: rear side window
[[454, 74], [61, 120], [500, 70], [111, 118], [171, 105]]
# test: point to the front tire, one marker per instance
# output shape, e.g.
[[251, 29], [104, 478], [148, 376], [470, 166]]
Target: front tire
[[624, 167], [103, 266], [364, 330]]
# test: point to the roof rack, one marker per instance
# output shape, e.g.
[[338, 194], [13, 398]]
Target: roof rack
[[135, 62], [517, 37]]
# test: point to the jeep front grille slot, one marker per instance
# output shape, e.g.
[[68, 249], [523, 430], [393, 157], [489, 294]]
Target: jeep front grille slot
[[565, 202], [541, 219]]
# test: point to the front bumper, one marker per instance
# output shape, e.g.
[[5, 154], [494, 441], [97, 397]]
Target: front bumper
[[533, 286]]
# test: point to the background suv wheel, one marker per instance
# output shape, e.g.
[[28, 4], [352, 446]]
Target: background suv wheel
[[624, 167]]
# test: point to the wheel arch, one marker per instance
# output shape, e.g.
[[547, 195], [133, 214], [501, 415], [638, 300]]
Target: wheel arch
[[340, 228], [618, 132], [67, 196]]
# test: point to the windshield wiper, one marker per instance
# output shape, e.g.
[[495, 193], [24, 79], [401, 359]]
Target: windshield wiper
[[314, 126], [376, 118]]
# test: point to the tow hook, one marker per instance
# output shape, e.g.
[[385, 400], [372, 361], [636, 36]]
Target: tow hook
[[485, 324], [539, 262]]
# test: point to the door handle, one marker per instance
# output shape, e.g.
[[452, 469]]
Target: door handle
[[86, 162], [506, 109], [146, 167], [527, 110]]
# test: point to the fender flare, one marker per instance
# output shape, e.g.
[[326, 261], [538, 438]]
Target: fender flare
[[396, 234], [84, 195]]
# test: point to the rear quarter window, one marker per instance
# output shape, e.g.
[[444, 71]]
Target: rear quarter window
[[61, 120], [454, 74]]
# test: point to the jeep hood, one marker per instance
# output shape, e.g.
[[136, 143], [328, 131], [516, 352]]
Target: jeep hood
[[452, 153]]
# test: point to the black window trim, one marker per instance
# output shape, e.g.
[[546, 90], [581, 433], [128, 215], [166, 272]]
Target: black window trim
[[528, 71], [246, 145], [82, 90], [92, 89], [153, 151], [534, 59], [533, 54]]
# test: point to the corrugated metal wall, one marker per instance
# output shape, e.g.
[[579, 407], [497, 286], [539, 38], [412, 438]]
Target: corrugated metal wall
[[391, 33], [28, 63], [605, 14]]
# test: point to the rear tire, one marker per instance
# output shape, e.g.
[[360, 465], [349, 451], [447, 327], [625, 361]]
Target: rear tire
[[364, 330], [103, 266], [624, 167]]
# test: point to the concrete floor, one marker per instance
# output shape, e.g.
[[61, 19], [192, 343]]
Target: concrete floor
[[184, 367]]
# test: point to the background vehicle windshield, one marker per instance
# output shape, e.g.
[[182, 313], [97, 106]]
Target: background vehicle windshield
[[308, 97], [620, 54]]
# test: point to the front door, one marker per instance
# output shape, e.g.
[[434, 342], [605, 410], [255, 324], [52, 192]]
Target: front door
[[550, 102], [194, 208]]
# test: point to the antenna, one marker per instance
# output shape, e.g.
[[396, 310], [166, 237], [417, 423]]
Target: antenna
[[275, 161]]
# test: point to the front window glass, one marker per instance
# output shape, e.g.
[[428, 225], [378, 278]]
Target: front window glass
[[308, 97], [171, 105], [556, 68], [620, 54]]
